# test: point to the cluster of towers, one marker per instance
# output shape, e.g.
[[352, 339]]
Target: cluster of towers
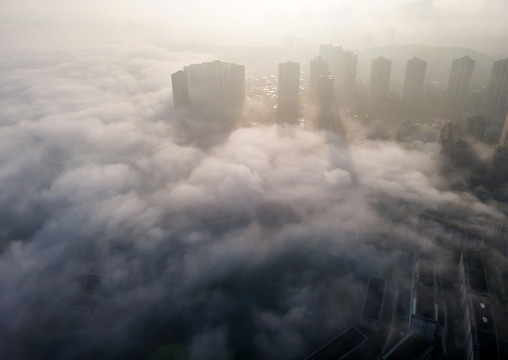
[[210, 85], [332, 81]]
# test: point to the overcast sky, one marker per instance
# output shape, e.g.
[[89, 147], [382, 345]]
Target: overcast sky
[[248, 22]]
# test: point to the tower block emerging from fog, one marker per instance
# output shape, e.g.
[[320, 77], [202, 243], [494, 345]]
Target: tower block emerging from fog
[[180, 89], [288, 93], [503, 139], [497, 91], [458, 84], [326, 100], [318, 67], [413, 81], [379, 83], [209, 85], [343, 66], [499, 162]]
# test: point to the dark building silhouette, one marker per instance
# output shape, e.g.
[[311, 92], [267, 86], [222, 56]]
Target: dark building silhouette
[[413, 346], [288, 93], [372, 305], [458, 83], [318, 67], [497, 91], [453, 147], [423, 317], [498, 167], [379, 83], [413, 81], [503, 139], [344, 346], [450, 132], [343, 66], [499, 163], [476, 126], [209, 85], [479, 330]]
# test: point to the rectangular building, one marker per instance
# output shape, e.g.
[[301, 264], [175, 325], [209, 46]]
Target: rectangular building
[[373, 301], [342, 347], [424, 308]]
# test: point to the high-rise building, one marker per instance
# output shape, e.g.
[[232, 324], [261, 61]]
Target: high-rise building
[[458, 83], [343, 67], [497, 91], [325, 93], [318, 67], [413, 81], [498, 167], [208, 85], [288, 92], [503, 139], [326, 100], [379, 84], [423, 316], [180, 89]]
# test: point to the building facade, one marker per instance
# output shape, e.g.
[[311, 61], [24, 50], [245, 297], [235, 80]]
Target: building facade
[[379, 82], [497, 90], [413, 81], [288, 92], [458, 83]]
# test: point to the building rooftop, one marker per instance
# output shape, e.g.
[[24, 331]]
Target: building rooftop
[[424, 304], [413, 346], [342, 347], [476, 272], [373, 300]]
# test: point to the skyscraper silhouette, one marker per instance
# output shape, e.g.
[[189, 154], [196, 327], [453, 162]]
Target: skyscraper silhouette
[[216, 84], [318, 67], [458, 83], [497, 91], [379, 83], [413, 81], [288, 93], [343, 67], [180, 89]]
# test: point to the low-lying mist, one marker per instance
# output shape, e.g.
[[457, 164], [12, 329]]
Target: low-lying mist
[[121, 229]]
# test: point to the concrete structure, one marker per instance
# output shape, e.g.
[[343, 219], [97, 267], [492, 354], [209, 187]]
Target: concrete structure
[[379, 83], [326, 101], [497, 90], [343, 66], [503, 139], [344, 346], [450, 132], [479, 330], [413, 81], [411, 347], [476, 126], [498, 167], [423, 317], [288, 93], [458, 83], [318, 68], [209, 85], [180, 89], [373, 301]]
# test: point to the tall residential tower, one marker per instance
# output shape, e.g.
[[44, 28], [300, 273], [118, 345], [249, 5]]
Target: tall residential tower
[[288, 93], [208, 85], [497, 91], [458, 83], [343, 67], [413, 81], [379, 83]]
